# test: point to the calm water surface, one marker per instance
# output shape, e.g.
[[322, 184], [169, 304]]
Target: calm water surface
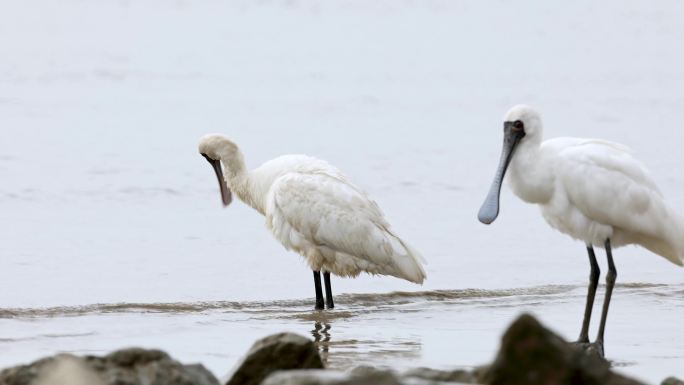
[[111, 231]]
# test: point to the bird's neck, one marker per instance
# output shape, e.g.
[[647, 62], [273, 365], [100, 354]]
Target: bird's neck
[[248, 186], [240, 181], [530, 174], [233, 165], [248, 191]]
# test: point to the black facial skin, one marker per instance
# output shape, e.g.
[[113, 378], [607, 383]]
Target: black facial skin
[[226, 195], [518, 126], [513, 134]]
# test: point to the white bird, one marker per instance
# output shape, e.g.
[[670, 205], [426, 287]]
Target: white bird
[[312, 209], [592, 190]]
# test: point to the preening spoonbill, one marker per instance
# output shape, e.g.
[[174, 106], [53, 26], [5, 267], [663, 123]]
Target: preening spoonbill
[[590, 189], [311, 208]]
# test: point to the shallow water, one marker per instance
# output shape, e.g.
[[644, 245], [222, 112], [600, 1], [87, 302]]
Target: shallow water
[[104, 200], [443, 328]]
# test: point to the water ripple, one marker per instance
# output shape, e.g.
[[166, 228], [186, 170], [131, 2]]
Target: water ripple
[[352, 304]]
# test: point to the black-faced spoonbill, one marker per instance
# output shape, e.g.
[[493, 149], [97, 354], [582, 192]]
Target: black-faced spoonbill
[[311, 208], [592, 190]]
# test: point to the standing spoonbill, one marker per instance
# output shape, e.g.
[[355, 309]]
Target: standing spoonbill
[[311, 208], [592, 190]]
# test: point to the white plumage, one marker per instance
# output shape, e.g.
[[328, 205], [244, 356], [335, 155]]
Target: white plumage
[[590, 189], [593, 190], [313, 209]]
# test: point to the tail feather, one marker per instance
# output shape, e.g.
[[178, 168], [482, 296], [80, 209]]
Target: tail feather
[[663, 249], [410, 262], [670, 243], [676, 236]]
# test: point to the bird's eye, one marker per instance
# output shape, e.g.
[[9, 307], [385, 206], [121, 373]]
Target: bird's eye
[[518, 125]]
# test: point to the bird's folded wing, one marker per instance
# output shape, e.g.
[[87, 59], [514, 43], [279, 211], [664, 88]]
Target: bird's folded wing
[[608, 185], [328, 211]]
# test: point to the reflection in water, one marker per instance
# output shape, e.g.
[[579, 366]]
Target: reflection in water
[[321, 335], [346, 353]]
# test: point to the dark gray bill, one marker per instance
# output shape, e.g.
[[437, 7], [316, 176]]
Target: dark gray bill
[[490, 208], [226, 195]]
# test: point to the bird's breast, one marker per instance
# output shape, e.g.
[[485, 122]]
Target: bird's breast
[[531, 187], [565, 217]]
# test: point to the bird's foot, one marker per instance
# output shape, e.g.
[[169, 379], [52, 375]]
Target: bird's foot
[[319, 305], [591, 348]]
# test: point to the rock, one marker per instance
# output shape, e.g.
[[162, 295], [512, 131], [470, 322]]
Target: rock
[[305, 377], [370, 375], [367, 375], [531, 354], [459, 376], [123, 367], [361, 376], [68, 370], [284, 351], [63, 368], [672, 381]]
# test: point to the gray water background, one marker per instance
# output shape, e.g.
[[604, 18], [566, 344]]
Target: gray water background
[[104, 199]]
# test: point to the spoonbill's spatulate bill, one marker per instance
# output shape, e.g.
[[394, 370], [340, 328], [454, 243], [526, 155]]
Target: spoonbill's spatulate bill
[[311, 208], [592, 190]]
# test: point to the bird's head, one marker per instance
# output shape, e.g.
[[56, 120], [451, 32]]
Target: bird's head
[[523, 119], [522, 124], [216, 148]]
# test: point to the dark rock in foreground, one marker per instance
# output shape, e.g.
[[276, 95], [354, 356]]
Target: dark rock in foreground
[[458, 376], [672, 381], [366, 375], [530, 354], [123, 367], [327, 377], [284, 351]]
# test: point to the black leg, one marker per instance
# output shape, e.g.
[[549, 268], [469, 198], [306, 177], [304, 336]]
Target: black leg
[[319, 291], [591, 294], [610, 283], [328, 291]]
